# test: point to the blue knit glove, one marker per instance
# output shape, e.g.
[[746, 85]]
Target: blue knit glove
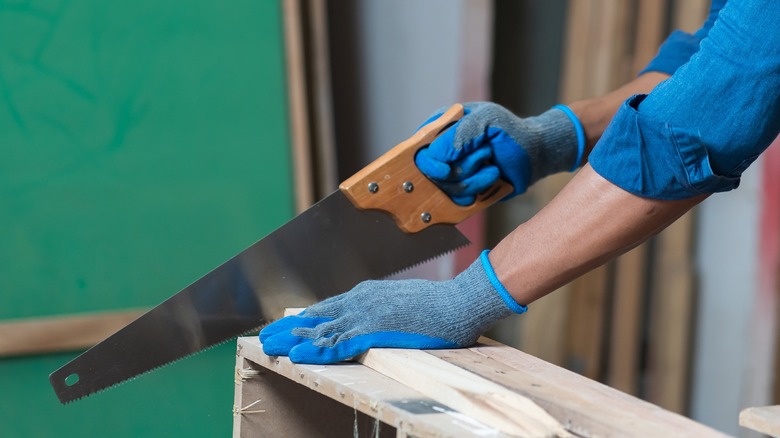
[[489, 141], [394, 314]]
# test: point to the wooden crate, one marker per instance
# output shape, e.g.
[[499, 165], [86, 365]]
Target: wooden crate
[[486, 390]]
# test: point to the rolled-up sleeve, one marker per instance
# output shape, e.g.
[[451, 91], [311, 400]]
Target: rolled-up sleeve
[[699, 130], [651, 158]]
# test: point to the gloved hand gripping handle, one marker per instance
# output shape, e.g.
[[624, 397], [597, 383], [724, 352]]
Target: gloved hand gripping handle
[[392, 183]]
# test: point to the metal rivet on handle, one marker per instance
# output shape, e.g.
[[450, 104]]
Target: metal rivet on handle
[[426, 217], [373, 187], [408, 186]]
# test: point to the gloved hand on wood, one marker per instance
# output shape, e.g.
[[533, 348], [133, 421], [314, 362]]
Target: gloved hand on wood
[[489, 141], [394, 314]]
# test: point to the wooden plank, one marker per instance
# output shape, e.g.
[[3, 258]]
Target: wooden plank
[[672, 305], [485, 401], [580, 23], [269, 404], [365, 390], [463, 391], [298, 105], [650, 19], [608, 50], [584, 406], [690, 14], [62, 332], [320, 96], [586, 330], [765, 419], [625, 334], [543, 327]]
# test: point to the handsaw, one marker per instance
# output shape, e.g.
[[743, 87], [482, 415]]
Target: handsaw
[[384, 219]]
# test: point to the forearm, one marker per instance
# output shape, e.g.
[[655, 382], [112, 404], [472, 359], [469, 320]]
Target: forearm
[[596, 113], [588, 223]]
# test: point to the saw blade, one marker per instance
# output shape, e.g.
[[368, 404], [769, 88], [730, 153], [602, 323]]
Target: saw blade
[[324, 251]]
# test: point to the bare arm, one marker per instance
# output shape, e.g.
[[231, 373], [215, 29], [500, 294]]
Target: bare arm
[[588, 223]]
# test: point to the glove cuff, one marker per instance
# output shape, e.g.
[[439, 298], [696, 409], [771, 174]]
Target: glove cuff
[[555, 142], [580, 134], [506, 297]]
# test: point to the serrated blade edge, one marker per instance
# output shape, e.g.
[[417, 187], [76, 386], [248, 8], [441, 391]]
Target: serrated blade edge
[[325, 250]]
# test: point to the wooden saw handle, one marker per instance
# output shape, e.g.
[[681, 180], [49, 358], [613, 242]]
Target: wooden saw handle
[[392, 183]]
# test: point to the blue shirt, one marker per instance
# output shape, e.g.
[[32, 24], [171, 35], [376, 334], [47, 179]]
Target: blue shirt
[[696, 132]]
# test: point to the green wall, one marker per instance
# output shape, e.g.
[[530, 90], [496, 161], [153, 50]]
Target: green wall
[[141, 144]]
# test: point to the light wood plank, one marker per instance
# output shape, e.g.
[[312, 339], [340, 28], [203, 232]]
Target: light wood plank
[[62, 332], [372, 393], [583, 406], [466, 392], [764, 419], [586, 407], [267, 404]]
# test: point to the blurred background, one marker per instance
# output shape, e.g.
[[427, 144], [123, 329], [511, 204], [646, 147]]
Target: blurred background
[[144, 143]]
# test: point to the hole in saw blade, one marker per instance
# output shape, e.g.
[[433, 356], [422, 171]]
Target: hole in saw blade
[[72, 379]]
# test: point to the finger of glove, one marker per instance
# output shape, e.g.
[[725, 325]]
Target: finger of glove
[[511, 158], [280, 343], [287, 324], [431, 167], [324, 330], [473, 185], [329, 308], [450, 158], [445, 148], [312, 353], [470, 164]]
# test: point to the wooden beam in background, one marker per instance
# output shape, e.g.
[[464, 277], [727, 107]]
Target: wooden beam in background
[[671, 323], [321, 100], [60, 333], [625, 335], [650, 19], [298, 105]]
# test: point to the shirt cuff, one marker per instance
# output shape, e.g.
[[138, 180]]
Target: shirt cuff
[[674, 52], [653, 159]]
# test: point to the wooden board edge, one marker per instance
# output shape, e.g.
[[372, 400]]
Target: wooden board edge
[[763, 419], [60, 333], [371, 393]]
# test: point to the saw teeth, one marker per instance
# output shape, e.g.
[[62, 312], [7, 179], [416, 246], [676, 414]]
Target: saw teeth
[[151, 370], [410, 267]]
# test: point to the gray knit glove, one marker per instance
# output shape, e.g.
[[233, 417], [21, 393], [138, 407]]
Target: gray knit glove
[[490, 142], [394, 314]]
